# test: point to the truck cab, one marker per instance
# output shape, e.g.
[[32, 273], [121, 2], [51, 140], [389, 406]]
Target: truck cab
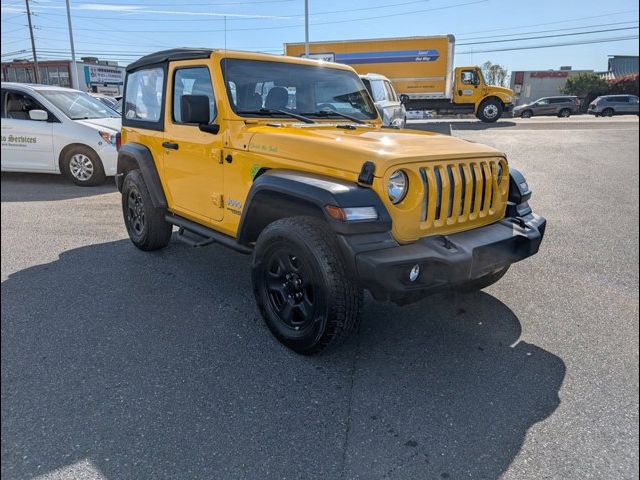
[[470, 89], [287, 159]]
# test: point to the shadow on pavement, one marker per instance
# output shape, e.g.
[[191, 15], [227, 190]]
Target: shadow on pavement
[[155, 365], [36, 187], [446, 127]]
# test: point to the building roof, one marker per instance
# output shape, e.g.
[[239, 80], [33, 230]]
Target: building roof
[[621, 65]]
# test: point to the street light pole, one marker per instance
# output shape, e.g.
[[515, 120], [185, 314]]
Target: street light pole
[[33, 45], [74, 66], [306, 28]]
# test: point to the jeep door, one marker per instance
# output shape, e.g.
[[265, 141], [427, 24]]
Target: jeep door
[[27, 145], [193, 169]]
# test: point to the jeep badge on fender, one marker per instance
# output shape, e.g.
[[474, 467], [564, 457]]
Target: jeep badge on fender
[[328, 202]]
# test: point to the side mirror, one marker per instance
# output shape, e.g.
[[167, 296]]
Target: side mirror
[[404, 99], [38, 115], [195, 109]]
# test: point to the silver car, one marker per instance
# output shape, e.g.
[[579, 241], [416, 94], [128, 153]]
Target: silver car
[[610, 105], [386, 100]]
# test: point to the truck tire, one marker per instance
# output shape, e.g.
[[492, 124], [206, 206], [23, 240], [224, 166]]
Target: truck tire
[[490, 110], [145, 223], [302, 285], [484, 281], [83, 166]]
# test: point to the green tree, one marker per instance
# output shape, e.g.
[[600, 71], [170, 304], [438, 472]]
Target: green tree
[[494, 74], [585, 85]]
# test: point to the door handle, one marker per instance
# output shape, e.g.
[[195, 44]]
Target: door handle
[[171, 145]]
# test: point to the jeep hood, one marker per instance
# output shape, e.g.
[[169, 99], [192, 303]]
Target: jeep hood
[[347, 149]]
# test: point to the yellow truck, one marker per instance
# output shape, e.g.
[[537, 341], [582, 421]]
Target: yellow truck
[[421, 70]]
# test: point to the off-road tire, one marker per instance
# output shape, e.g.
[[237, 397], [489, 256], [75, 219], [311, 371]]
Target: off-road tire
[[490, 105], [76, 164], [527, 114], [145, 223], [608, 112], [564, 113], [484, 281], [305, 248]]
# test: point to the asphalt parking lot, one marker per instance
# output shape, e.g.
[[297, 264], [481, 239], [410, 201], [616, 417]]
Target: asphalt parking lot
[[119, 364]]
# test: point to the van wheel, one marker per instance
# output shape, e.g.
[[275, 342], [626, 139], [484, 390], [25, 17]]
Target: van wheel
[[145, 223], [564, 113], [83, 166], [490, 110], [607, 112], [484, 281], [302, 285], [527, 114]]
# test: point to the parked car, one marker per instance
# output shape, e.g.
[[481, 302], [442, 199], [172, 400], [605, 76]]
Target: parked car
[[106, 99], [52, 129], [328, 202], [385, 99], [610, 105], [563, 106]]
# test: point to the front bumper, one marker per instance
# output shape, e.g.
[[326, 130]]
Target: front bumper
[[450, 260]]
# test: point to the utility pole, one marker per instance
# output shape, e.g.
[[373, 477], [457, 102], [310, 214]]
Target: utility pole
[[306, 28], [74, 66], [33, 45]]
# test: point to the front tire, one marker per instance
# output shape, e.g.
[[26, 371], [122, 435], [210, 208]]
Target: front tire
[[490, 110], [527, 114], [608, 112], [303, 288], [145, 223], [83, 166]]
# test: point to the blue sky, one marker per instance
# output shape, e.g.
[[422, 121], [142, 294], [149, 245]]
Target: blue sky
[[126, 29]]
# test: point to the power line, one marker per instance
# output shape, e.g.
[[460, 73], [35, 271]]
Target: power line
[[550, 36], [550, 45], [548, 31]]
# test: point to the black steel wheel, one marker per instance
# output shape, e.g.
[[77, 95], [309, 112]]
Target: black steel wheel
[[304, 291], [145, 223]]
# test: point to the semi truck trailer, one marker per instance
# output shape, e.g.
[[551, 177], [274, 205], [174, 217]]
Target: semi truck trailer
[[421, 70]]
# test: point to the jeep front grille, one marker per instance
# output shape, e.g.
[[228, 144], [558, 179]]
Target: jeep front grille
[[462, 191]]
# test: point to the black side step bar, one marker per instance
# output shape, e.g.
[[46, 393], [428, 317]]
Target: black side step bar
[[209, 236]]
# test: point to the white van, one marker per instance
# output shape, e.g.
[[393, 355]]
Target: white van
[[386, 100], [52, 129]]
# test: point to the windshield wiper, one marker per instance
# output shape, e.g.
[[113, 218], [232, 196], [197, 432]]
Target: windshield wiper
[[328, 113], [271, 111]]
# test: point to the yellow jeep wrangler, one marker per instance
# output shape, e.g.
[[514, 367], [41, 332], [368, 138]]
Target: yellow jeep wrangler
[[286, 159]]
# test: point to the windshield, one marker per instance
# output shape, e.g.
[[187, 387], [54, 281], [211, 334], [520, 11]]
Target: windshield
[[256, 88], [78, 105]]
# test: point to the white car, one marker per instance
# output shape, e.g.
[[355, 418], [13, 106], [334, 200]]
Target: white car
[[385, 99], [52, 129]]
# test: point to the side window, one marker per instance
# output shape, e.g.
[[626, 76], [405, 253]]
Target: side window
[[633, 99], [143, 97], [622, 99], [2, 104], [192, 81], [377, 88], [468, 77], [611, 99], [17, 105], [543, 101], [391, 95]]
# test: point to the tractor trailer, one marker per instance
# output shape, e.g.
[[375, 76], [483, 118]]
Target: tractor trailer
[[421, 70]]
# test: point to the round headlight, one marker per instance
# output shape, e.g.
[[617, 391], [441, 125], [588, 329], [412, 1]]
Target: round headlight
[[398, 185]]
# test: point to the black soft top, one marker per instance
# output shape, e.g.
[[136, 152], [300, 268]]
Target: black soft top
[[169, 55]]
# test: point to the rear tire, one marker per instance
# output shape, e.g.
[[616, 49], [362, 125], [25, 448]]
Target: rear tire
[[145, 223], [484, 281], [83, 166], [564, 113], [608, 112], [490, 110], [303, 288]]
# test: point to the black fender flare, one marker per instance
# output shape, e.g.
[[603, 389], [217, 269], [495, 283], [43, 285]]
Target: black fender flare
[[133, 156], [279, 194]]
